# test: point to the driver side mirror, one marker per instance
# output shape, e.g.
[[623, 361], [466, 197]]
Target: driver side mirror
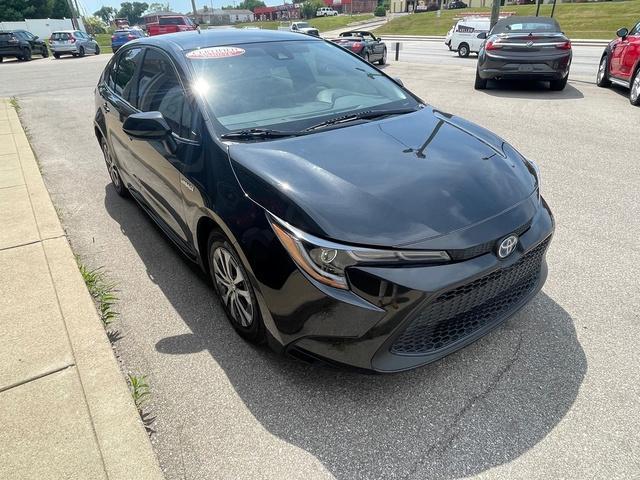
[[482, 35], [147, 126], [622, 32]]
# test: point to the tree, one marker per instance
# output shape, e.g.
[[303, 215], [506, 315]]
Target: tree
[[132, 11], [94, 25], [251, 4], [60, 9], [158, 7], [15, 10], [310, 7], [106, 14]]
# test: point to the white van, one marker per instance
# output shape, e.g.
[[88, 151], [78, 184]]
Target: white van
[[326, 12], [464, 38]]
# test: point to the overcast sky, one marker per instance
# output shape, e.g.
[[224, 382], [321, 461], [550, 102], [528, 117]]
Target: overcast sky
[[176, 5]]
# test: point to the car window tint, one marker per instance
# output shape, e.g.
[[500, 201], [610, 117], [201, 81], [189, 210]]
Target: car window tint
[[127, 64], [160, 90], [635, 30]]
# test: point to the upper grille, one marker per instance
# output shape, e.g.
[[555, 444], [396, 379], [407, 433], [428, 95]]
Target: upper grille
[[460, 312], [477, 250]]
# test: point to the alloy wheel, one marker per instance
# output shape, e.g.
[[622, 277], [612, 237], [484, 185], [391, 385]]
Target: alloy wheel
[[113, 171], [601, 69], [232, 287]]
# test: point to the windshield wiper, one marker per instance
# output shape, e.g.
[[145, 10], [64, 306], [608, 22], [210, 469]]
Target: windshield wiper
[[258, 133], [366, 115]]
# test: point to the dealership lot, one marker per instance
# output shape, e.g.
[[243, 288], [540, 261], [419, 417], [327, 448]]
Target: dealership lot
[[554, 393]]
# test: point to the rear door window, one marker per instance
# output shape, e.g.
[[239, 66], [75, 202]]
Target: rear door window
[[60, 36], [123, 81]]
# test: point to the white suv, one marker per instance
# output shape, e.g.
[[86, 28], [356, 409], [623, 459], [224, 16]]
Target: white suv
[[326, 12]]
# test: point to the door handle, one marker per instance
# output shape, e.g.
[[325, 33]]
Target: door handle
[[106, 107]]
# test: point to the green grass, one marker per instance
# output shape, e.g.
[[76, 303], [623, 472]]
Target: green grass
[[323, 24], [578, 20], [139, 390], [102, 291], [13, 101], [104, 39]]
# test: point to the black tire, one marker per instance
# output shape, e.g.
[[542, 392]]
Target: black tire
[[602, 78], [26, 54], [383, 60], [463, 50], [634, 90], [366, 57], [97, 52], [114, 173], [56, 56], [45, 51], [217, 248], [1, 59], [558, 85], [480, 83], [81, 52]]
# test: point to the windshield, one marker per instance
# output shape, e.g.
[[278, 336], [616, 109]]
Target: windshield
[[302, 25], [289, 85]]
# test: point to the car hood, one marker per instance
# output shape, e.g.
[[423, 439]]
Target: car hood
[[390, 182]]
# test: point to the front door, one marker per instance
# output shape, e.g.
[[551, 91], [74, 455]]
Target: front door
[[631, 53]]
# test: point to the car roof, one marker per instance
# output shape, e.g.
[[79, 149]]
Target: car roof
[[12, 31], [216, 38], [64, 31]]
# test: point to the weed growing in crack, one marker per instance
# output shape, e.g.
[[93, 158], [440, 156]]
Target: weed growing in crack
[[102, 291]]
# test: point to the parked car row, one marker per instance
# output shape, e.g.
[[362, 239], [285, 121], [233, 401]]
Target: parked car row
[[23, 45]]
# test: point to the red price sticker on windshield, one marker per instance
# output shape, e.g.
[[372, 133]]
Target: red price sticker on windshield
[[215, 52]]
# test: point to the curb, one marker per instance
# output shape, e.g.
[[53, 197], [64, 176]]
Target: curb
[[122, 440]]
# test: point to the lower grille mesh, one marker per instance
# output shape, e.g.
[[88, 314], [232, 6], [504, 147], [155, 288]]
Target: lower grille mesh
[[460, 312]]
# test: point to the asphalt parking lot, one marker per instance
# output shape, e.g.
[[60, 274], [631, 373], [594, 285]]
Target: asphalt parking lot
[[553, 393]]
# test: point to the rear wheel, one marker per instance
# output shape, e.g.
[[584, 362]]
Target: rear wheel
[[463, 50], [56, 56], [112, 168], [97, 52], [634, 92], [366, 57], [558, 85], [81, 51], [602, 79], [234, 288], [1, 59], [480, 83], [26, 54]]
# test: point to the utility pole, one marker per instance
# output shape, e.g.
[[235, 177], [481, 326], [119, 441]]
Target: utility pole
[[195, 12], [553, 9], [495, 13], [74, 20], [538, 7], [79, 15]]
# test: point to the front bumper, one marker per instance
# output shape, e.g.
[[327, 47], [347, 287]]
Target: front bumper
[[547, 67], [396, 319]]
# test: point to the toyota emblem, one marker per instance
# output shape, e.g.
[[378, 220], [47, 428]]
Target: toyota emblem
[[507, 246]]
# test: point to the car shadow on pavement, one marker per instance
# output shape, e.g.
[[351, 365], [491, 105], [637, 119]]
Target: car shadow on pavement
[[530, 90], [479, 408]]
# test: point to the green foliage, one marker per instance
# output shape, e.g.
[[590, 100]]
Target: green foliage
[[158, 7], [102, 291], [380, 11], [18, 10], [310, 7], [94, 25], [106, 14], [132, 11], [15, 104], [139, 390], [246, 5]]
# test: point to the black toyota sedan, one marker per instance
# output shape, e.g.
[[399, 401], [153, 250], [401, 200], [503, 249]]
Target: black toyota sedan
[[341, 218], [526, 48]]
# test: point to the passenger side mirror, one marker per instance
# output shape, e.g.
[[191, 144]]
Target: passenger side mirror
[[622, 32], [147, 126], [482, 35]]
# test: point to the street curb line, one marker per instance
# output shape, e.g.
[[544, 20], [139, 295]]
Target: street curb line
[[122, 440]]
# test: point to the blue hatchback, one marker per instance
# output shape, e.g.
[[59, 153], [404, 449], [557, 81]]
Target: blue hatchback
[[120, 37]]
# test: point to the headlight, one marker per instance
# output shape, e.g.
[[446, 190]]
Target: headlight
[[326, 261]]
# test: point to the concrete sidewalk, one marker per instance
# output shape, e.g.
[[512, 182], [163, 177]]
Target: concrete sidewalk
[[65, 409]]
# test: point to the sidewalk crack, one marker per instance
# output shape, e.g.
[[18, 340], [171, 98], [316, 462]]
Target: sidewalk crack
[[36, 377]]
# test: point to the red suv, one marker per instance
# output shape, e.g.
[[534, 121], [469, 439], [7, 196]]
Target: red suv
[[620, 63]]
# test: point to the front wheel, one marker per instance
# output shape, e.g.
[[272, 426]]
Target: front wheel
[[234, 289], [97, 51], [366, 57], [602, 79], [114, 173], [383, 60], [45, 52], [634, 92], [480, 83], [559, 85], [463, 50]]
